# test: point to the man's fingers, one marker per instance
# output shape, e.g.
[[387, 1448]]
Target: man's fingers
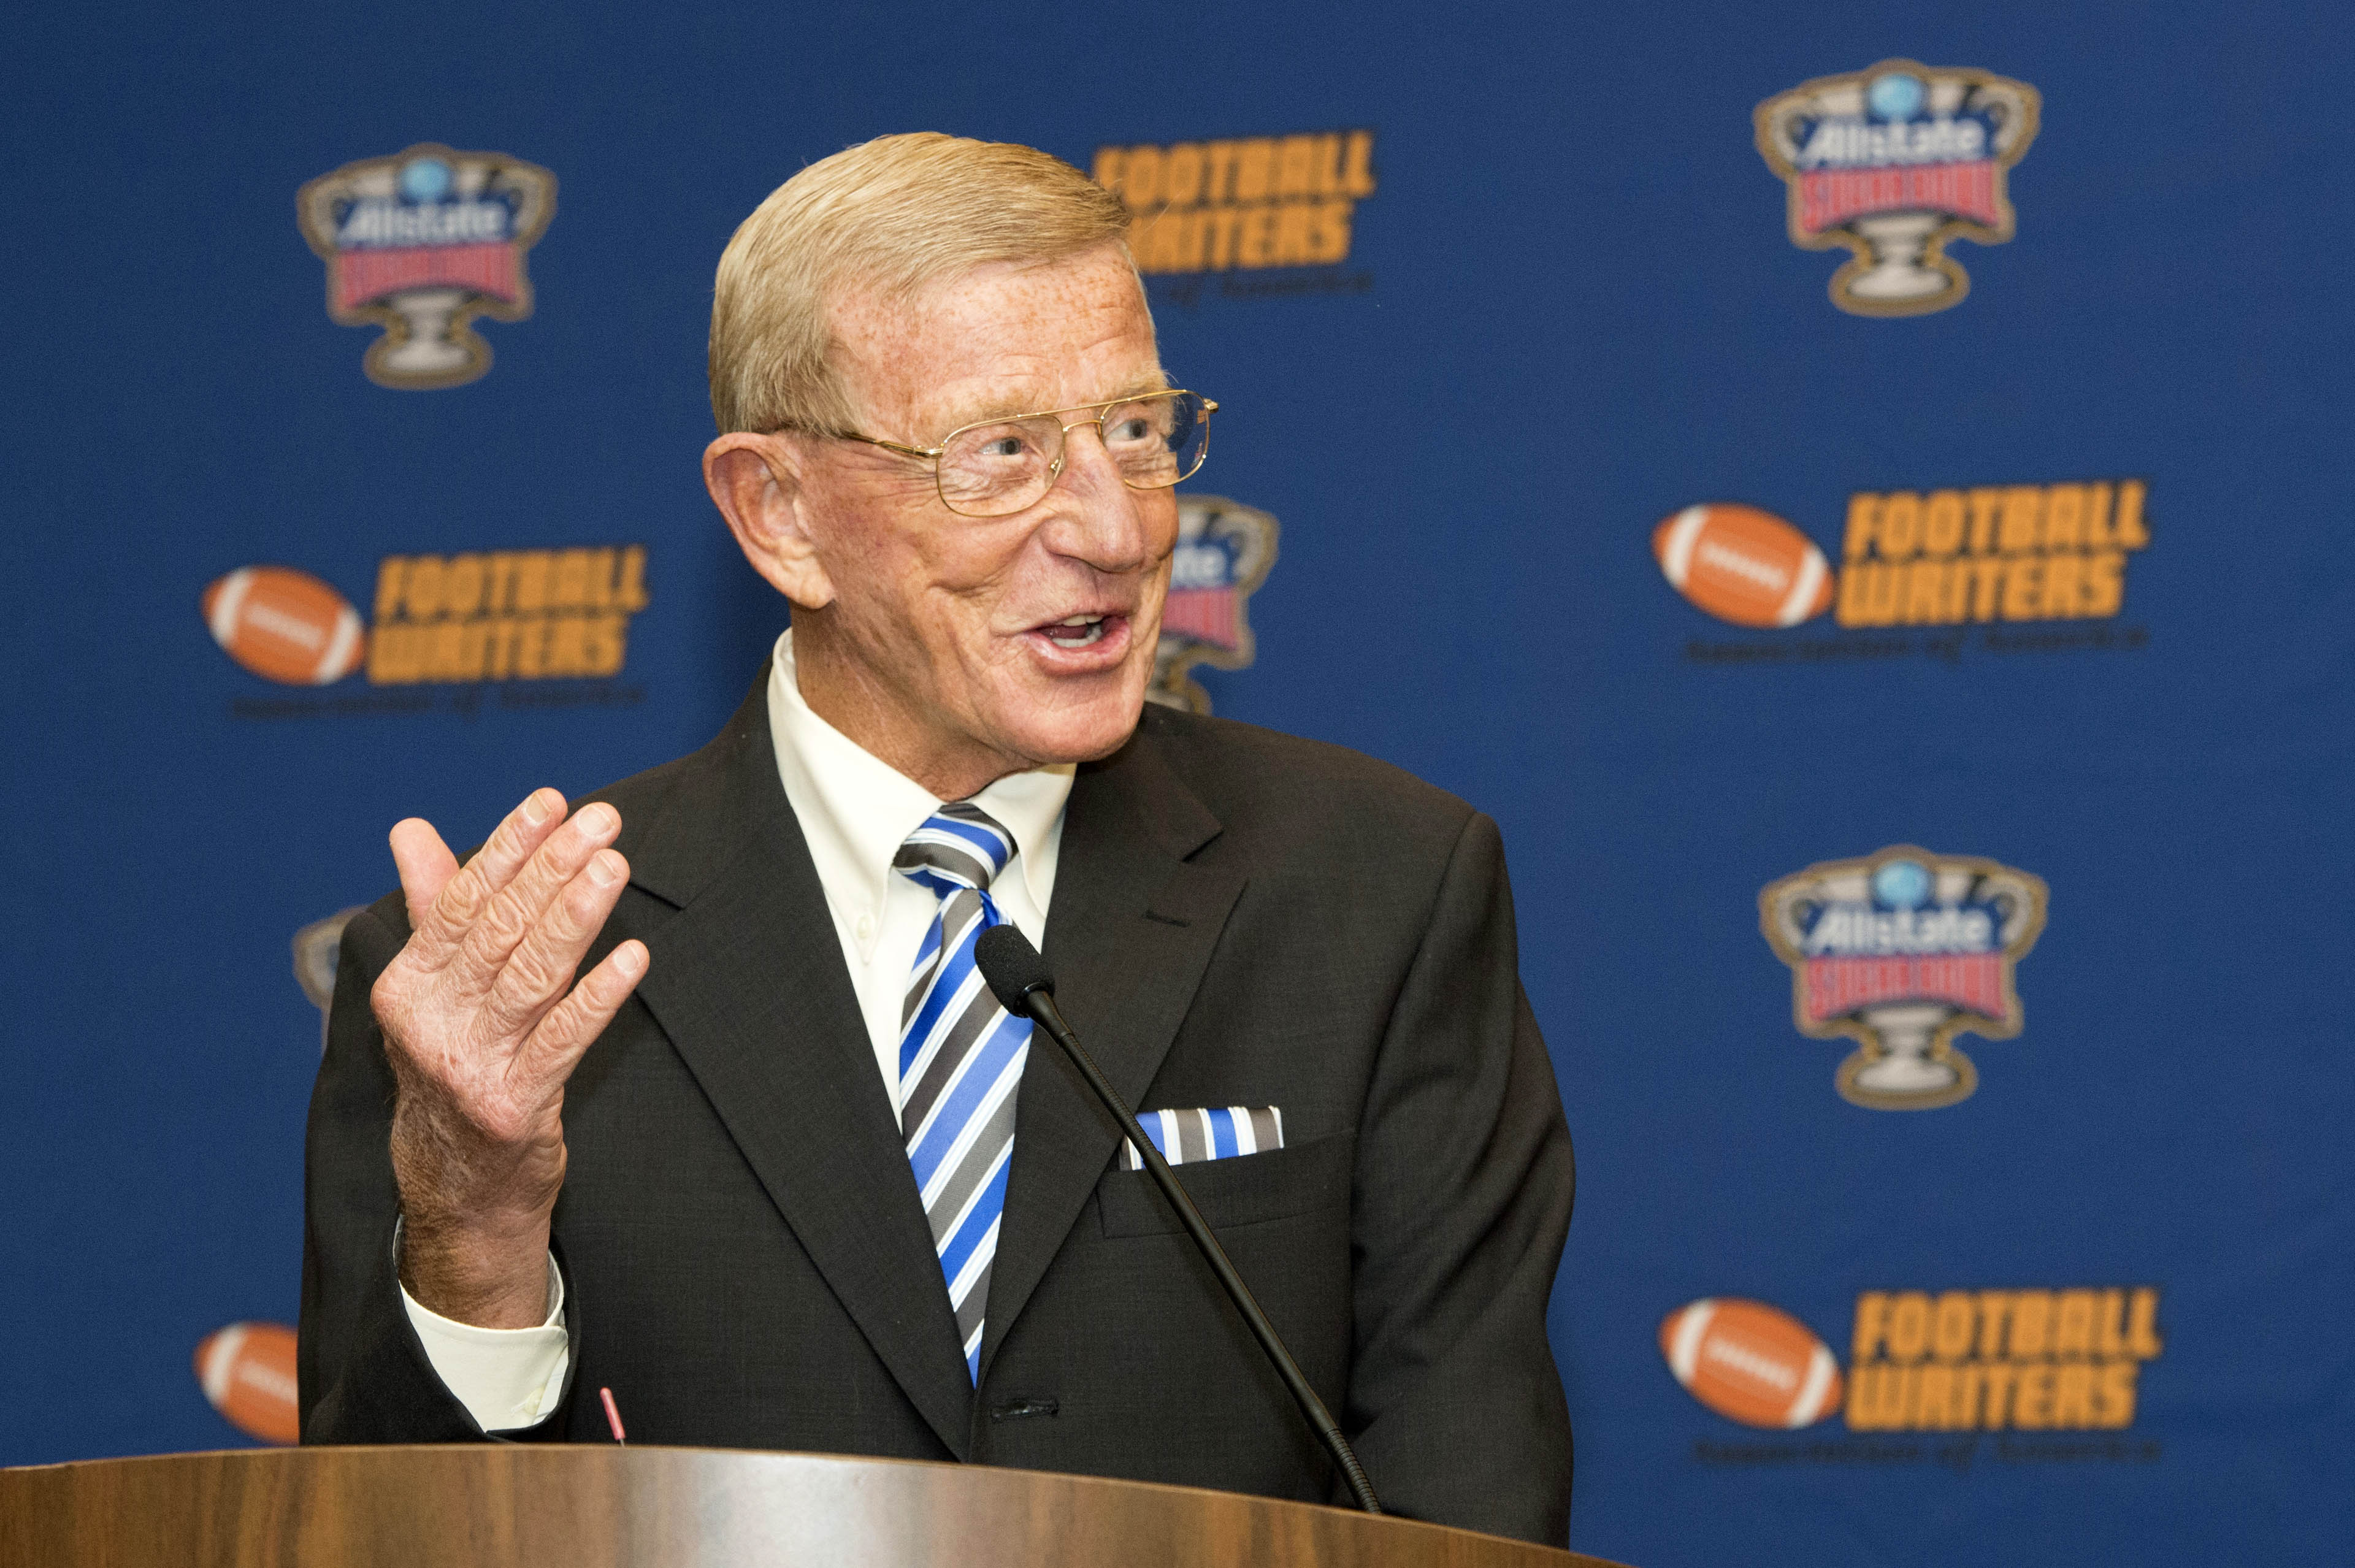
[[424, 862], [542, 963], [464, 894], [494, 936], [574, 1023]]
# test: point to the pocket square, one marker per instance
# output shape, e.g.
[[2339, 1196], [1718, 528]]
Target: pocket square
[[1213, 1132]]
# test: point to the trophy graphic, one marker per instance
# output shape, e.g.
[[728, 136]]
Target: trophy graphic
[[1224, 550], [422, 243], [1891, 163], [1901, 952]]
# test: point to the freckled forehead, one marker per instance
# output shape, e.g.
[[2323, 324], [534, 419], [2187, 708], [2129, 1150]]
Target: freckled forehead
[[1004, 338]]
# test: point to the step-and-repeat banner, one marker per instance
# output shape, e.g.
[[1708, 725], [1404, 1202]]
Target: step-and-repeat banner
[[1863, 500]]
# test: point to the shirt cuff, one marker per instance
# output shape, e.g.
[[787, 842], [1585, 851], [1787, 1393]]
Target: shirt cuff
[[507, 1378]]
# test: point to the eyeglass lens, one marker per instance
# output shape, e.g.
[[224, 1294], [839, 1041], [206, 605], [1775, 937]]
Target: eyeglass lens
[[995, 470]]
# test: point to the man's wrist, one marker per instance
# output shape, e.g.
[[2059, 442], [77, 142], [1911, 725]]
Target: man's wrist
[[486, 1276]]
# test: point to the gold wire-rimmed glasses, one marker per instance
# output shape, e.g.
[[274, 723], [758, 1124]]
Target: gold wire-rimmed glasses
[[995, 468]]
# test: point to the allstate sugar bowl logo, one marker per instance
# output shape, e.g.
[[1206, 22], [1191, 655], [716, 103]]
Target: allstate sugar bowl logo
[[1901, 952], [1893, 163], [422, 243], [1224, 550]]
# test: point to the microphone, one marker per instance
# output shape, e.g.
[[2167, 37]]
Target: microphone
[[1025, 988]]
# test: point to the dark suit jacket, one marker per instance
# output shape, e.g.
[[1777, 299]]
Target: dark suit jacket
[[1239, 918]]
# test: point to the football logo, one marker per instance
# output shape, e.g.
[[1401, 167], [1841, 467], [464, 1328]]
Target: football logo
[[1242, 205], [479, 615], [422, 243], [1751, 1362], [285, 625], [1893, 163], [2065, 1358], [247, 1370], [1224, 550], [1743, 565], [1901, 952], [1955, 556]]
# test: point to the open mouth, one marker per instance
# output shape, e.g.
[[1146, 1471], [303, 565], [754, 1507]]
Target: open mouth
[[1077, 632], [1081, 643]]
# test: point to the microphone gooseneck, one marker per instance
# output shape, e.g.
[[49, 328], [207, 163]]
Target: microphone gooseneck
[[1024, 986]]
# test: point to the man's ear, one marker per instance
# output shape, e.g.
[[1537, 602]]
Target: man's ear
[[756, 483]]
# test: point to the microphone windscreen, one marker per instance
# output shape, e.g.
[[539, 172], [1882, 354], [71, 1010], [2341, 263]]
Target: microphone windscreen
[[1012, 966]]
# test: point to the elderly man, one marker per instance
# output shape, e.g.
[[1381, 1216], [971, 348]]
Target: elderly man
[[690, 1091]]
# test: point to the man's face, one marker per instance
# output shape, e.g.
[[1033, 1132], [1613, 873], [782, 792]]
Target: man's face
[[1025, 639]]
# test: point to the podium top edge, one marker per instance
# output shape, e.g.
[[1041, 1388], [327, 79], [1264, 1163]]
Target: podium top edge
[[644, 1458]]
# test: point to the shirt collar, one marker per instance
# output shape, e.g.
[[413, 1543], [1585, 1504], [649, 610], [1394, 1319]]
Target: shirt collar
[[856, 809]]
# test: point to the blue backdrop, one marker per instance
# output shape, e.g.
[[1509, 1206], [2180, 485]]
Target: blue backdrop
[[1568, 307]]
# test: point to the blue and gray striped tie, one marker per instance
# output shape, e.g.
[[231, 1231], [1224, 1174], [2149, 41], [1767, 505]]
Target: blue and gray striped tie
[[960, 1059]]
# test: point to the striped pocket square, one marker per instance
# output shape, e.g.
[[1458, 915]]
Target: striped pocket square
[[1213, 1132]]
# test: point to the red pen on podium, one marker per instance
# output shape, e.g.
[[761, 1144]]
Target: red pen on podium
[[613, 1413]]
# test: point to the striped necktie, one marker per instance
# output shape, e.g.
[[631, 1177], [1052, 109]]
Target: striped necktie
[[960, 1059]]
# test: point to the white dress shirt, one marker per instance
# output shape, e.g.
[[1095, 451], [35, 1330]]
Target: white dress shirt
[[856, 811]]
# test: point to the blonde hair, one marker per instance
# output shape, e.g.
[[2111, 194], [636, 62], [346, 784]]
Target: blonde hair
[[891, 215]]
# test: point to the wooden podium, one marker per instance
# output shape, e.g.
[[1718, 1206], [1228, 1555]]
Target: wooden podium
[[566, 1507]]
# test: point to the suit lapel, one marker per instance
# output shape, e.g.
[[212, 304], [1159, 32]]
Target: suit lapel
[[748, 981], [1129, 932]]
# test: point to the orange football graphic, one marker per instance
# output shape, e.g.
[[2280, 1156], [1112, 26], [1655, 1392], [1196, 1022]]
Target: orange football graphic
[[1751, 1362], [1743, 565], [285, 625], [248, 1373]]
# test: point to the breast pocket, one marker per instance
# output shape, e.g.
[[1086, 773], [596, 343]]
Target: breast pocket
[[1243, 1189]]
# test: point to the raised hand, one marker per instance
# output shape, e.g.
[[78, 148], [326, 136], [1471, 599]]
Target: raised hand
[[482, 1028]]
